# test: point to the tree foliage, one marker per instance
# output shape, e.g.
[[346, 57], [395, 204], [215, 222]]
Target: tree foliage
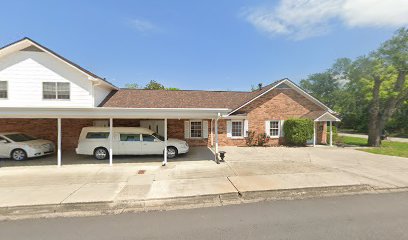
[[152, 85], [370, 92]]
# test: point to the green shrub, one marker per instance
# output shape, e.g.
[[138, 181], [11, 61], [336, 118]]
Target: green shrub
[[298, 131]]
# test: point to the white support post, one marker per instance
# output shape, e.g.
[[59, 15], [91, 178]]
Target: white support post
[[59, 153], [216, 136], [331, 133], [314, 133], [110, 141], [165, 143], [212, 133]]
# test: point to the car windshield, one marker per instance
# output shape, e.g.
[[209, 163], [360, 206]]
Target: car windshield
[[158, 136], [20, 137]]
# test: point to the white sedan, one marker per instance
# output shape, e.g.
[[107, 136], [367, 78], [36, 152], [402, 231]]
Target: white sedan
[[20, 146]]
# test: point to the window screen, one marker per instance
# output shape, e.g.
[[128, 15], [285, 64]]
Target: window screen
[[56, 90], [196, 129], [237, 129], [3, 89], [274, 131]]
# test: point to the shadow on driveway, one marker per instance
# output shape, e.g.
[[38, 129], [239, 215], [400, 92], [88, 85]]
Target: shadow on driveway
[[71, 158]]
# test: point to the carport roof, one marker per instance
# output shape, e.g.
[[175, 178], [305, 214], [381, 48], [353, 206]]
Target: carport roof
[[105, 113]]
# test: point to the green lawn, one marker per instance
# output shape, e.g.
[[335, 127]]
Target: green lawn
[[388, 148]]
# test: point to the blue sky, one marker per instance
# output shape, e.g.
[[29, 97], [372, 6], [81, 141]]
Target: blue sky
[[213, 45]]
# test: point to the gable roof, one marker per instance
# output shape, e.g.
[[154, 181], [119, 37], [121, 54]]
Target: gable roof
[[287, 82], [321, 116], [28, 44], [233, 100]]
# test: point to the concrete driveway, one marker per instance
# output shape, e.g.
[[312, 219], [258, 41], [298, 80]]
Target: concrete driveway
[[378, 171], [247, 171]]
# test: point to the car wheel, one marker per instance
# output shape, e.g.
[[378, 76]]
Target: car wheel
[[18, 155], [101, 153], [171, 152]]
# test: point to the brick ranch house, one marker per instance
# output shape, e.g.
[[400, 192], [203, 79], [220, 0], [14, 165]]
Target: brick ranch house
[[46, 95]]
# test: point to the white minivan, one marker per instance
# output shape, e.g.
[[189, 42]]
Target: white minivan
[[126, 141]]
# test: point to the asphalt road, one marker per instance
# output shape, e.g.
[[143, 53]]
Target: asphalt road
[[372, 216]]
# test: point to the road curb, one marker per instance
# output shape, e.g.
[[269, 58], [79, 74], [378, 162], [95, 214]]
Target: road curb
[[213, 200]]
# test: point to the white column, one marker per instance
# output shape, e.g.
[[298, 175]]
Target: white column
[[59, 154], [165, 143], [212, 132], [216, 136], [314, 133], [110, 141], [331, 133]]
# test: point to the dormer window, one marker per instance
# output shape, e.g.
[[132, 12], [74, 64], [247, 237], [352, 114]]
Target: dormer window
[[3, 90], [56, 91]]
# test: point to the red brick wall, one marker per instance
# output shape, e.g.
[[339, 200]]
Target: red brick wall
[[42, 128], [47, 128], [175, 129], [279, 104]]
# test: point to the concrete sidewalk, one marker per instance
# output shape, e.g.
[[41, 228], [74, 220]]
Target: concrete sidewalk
[[292, 171]]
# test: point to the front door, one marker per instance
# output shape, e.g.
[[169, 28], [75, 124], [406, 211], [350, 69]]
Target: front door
[[130, 144], [151, 145]]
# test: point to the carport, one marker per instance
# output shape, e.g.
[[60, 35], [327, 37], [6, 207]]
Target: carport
[[110, 114]]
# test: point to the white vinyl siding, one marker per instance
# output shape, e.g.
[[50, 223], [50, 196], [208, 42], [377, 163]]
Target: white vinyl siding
[[3, 90], [25, 73]]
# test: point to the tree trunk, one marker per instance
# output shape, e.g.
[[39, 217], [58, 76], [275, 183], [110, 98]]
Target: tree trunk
[[378, 118], [374, 131]]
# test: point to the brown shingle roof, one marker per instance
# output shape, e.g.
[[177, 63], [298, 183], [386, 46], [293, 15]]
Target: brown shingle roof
[[140, 98], [137, 98]]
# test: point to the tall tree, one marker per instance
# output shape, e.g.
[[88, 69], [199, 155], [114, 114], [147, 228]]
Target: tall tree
[[390, 87]]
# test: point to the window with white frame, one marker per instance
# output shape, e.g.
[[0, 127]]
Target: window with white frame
[[3, 90], [274, 129], [56, 90], [237, 129], [196, 129]]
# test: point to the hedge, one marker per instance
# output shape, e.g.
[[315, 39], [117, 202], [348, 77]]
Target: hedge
[[298, 131]]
